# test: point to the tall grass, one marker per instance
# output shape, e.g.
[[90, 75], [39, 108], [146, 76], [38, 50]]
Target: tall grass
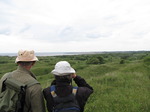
[[126, 89], [117, 87]]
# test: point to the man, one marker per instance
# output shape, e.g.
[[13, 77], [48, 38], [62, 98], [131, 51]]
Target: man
[[64, 74], [34, 101]]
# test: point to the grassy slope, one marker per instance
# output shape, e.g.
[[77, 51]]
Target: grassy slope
[[124, 88], [117, 87]]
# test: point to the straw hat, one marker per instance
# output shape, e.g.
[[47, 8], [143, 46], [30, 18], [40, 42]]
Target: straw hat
[[25, 55], [62, 68]]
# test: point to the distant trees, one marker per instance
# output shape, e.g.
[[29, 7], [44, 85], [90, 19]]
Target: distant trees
[[6, 59], [95, 60]]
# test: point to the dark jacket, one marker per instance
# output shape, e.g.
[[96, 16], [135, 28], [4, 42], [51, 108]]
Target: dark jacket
[[63, 88]]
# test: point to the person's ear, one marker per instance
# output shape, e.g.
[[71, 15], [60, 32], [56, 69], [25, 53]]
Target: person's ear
[[33, 63]]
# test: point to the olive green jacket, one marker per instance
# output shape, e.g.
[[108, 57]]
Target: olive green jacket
[[34, 101]]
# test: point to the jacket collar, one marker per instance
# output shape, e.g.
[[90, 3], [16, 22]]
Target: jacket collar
[[20, 68]]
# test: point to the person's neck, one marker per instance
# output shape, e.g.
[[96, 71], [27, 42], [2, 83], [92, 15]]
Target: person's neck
[[26, 67]]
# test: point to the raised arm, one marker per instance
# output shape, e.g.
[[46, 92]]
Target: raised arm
[[80, 81]]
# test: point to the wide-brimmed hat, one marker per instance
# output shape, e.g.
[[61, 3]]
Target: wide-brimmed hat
[[25, 55], [63, 68]]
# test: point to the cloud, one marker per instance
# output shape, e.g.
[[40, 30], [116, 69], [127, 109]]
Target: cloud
[[25, 28], [72, 25], [5, 31]]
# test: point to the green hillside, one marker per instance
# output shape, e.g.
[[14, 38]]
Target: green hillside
[[121, 81]]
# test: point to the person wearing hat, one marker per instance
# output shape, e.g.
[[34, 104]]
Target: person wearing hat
[[64, 74], [34, 101]]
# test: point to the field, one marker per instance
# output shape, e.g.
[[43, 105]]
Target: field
[[121, 80]]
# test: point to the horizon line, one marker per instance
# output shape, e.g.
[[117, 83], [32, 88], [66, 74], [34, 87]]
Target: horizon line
[[71, 53], [81, 51]]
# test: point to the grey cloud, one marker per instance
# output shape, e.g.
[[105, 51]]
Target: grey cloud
[[5, 19], [92, 35], [6, 1], [27, 27], [141, 34], [109, 17], [56, 33], [66, 33], [98, 35], [5, 31]]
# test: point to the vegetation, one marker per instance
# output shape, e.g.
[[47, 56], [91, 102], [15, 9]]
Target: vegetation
[[121, 80]]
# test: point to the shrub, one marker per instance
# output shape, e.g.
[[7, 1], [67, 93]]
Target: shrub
[[93, 61], [147, 61], [122, 61], [101, 60]]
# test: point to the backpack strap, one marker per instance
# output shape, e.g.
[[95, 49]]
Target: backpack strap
[[16, 85], [74, 90], [31, 83], [52, 90], [13, 83], [2, 81]]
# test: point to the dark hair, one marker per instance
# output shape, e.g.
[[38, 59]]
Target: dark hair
[[65, 77], [26, 63]]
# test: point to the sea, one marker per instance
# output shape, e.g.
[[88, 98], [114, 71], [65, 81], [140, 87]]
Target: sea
[[70, 53], [52, 53]]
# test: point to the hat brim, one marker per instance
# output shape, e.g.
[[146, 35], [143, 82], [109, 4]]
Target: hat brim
[[26, 60], [63, 73]]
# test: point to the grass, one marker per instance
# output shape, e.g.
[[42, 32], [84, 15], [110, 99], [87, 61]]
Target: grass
[[117, 87], [123, 90]]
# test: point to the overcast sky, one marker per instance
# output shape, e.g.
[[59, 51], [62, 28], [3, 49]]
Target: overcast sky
[[74, 25]]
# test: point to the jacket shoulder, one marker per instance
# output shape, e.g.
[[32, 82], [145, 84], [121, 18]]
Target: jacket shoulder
[[84, 92], [46, 90], [5, 76]]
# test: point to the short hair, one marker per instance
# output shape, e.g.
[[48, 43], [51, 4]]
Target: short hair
[[26, 63]]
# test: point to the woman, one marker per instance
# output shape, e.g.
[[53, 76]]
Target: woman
[[61, 90]]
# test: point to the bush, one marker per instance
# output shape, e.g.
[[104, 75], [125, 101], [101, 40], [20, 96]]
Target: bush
[[101, 60], [93, 61], [147, 61], [122, 61]]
